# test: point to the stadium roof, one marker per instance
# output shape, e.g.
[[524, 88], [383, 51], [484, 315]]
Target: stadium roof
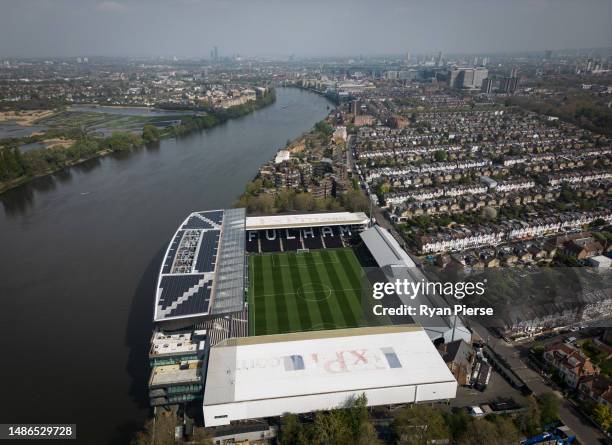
[[203, 268], [384, 248], [292, 368], [305, 220], [396, 264]]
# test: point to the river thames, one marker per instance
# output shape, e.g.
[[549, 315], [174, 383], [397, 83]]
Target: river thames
[[79, 255]]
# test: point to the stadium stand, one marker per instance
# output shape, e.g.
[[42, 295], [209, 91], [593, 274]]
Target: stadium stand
[[269, 240], [252, 241], [291, 239], [312, 238], [331, 237]]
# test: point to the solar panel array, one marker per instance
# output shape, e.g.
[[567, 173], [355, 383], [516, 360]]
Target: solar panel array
[[214, 215], [197, 223], [184, 294], [188, 271], [209, 245]]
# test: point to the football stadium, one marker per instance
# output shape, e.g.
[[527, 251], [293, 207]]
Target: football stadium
[[256, 316], [304, 291]]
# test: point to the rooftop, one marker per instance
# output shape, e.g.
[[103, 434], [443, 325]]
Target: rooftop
[[164, 344], [175, 374], [384, 248], [322, 361], [191, 281], [305, 220]]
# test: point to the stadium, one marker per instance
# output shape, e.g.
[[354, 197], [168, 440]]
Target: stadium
[[274, 314]]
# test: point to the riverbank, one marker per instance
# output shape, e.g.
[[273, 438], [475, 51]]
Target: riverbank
[[333, 98], [331, 189], [89, 241], [18, 168]]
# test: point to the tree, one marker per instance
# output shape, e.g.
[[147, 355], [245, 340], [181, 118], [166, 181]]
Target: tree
[[158, 431], [145, 436], [12, 164], [355, 201], [489, 213], [384, 187], [506, 430], [201, 436], [263, 203], [253, 187], [284, 200], [4, 171], [529, 422], [549, 408], [457, 422], [328, 428], [348, 425], [150, 133], [440, 156], [303, 201], [498, 431], [419, 425], [603, 416], [324, 129], [598, 222], [357, 414], [291, 431]]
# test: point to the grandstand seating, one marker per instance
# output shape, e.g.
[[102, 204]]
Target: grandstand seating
[[331, 237], [290, 240], [312, 238], [270, 241], [252, 242]]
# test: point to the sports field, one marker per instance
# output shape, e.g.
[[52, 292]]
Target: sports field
[[305, 291]]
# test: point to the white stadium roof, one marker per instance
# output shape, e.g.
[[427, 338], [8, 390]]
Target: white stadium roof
[[265, 376], [305, 220], [396, 264], [384, 248]]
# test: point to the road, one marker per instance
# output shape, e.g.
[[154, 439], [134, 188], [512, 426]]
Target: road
[[349, 153], [377, 212], [498, 388], [586, 432]]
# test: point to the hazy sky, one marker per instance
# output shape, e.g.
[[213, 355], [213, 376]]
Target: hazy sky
[[300, 27]]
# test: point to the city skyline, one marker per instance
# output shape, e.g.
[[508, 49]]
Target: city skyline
[[192, 28]]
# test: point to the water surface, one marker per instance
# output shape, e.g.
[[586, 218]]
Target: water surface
[[79, 255]]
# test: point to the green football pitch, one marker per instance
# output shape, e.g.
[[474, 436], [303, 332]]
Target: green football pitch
[[305, 291]]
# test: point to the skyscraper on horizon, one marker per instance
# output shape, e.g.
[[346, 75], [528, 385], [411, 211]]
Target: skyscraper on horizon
[[468, 78], [487, 86]]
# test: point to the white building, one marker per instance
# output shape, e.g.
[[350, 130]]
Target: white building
[[340, 134], [281, 156], [601, 261], [267, 376]]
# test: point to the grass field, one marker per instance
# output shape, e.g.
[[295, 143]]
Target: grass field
[[292, 292]]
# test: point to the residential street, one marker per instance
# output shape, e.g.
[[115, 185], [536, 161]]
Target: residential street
[[586, 432]]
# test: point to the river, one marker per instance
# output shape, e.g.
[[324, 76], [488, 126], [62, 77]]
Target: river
[[79, 254]]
